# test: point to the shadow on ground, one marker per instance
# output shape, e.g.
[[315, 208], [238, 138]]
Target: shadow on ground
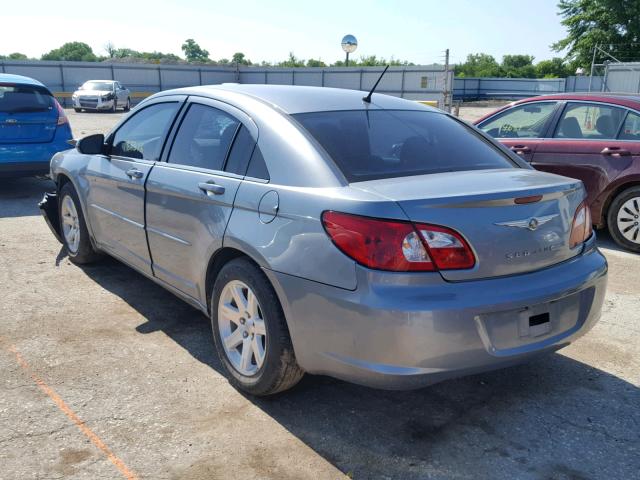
[[555, 418], [19, 197]]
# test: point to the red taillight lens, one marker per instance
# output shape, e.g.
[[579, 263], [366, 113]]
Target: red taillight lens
[[396, 245], [581, 228], [62, 117]]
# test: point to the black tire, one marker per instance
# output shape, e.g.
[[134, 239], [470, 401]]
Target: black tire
[[77, 110], [634, 221], [85, 252], [114, 107], [279, 371], [127, 106]]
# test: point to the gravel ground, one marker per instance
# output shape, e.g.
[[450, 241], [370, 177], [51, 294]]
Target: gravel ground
[[106, 375]]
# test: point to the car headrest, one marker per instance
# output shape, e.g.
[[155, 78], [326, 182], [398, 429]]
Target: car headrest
[[604, 126], [570, 128]]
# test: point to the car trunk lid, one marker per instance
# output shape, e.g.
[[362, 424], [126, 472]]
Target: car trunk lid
[[507, 237]]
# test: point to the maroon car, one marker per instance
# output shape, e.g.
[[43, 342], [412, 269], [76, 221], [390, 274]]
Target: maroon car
[[592, 137]]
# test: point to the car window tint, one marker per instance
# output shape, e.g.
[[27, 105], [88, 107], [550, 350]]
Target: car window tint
[[588, 120], [257, 167], [523, 121], [240, 152], [631, 128], [204, 138], [15, 98], [141, 136], [368, 145]]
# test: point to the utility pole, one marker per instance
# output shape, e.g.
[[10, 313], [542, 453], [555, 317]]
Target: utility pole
[[447, 105], [593, 65]]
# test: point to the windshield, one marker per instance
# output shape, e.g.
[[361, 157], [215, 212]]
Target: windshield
[[369, 145], [24, 98], [97, 86]]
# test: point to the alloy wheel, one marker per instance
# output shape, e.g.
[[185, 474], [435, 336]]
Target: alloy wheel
[[70, 223], [242, 328], [628, 220]]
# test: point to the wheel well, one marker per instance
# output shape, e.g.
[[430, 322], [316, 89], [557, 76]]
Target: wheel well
[[219, 260], [62, 181], [613, 195]]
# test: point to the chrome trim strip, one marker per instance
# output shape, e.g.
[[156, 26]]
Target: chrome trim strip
[[166, 235], [118, 216]]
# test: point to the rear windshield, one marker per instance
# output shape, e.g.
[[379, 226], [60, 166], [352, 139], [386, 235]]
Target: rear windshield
[[24, 98], [369, 145]]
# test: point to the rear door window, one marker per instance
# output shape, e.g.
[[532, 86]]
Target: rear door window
[[590, 121], [524, 121], [631, 128], [204, 138], [368, 145], [24, 98], [142, 135]]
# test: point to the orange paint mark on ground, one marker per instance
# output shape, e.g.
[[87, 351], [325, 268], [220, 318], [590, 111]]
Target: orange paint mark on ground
[[60, 403]]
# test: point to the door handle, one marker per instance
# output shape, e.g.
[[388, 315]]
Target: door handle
[[520, 149], [616, 151], [134, 173], [210, 187]]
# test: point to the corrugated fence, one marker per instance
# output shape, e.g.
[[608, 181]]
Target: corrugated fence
[[425, 83], [515, 88]]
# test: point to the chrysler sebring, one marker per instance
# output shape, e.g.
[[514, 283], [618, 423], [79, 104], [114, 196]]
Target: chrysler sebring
[[372, 239]]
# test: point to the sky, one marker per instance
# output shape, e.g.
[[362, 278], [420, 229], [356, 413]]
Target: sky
[[415, 30]]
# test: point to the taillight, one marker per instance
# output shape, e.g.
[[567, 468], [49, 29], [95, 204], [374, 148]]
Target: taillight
[[62, 117], [397, 245], [581, 228]]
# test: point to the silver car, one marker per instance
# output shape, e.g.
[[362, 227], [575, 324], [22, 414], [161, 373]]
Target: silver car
[[101, 95], [382, 242]]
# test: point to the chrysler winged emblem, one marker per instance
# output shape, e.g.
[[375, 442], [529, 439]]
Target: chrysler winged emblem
[[529, 223]]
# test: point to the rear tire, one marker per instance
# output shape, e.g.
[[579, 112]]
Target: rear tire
[[623, 219], [256, 315], [73, 228]]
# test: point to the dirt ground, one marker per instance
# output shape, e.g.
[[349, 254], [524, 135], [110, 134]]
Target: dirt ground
[[106, 375]]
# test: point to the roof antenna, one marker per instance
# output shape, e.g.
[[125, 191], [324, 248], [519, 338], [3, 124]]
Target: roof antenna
[[368, 97]]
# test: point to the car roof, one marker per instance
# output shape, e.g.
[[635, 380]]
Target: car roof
[[11, 78], [624, 99], [294, 99]]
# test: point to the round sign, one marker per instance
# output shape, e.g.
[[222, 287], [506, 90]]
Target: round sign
[[349, 43]]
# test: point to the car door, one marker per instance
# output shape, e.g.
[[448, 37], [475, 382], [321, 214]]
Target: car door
[[190, 195], [122, 94], [115, 198], [585, 144], [521, 127]]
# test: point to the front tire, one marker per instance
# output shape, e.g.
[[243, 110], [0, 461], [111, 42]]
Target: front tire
[[114, 107], [250, 331], [127, 106], [623, 219], [75, 235], [77, 110]]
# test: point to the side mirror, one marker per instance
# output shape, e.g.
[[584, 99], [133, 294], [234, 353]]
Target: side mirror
[[91, 145]]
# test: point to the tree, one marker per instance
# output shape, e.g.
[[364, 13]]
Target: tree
[[240, 59], [111, 49], [312, 62], [292, 61], [479, 65], [612, 24], [14, 56], [193, 52], [554, 68], [72, 51], [518, 66]]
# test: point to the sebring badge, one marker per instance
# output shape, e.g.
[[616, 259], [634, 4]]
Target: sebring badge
[[530, 223]]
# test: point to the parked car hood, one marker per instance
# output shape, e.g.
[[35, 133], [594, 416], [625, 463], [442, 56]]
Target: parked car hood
[[92, 93]]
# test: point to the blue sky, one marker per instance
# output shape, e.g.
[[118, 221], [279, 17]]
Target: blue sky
[[418, 31]]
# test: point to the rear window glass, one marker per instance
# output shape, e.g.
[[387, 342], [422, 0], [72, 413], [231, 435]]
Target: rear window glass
[[24, 98], [369, 145]]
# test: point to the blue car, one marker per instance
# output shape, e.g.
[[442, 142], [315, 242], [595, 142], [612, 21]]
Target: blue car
[[33, 127]]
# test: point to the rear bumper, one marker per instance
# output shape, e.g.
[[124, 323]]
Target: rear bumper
[[25, 159], [400, 331]]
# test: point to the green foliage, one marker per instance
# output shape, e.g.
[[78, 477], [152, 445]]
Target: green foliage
[[292, 62], [194, 53], [613, 24], [518, 66], [554, 68], [72, 51], [373, 61], [312, 62], [479, 65], [14, 56], [239, 59]]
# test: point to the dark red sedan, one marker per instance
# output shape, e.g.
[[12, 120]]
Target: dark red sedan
[[592, 137]]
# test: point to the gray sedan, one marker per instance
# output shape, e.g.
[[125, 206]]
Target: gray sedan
[[371, 239]]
